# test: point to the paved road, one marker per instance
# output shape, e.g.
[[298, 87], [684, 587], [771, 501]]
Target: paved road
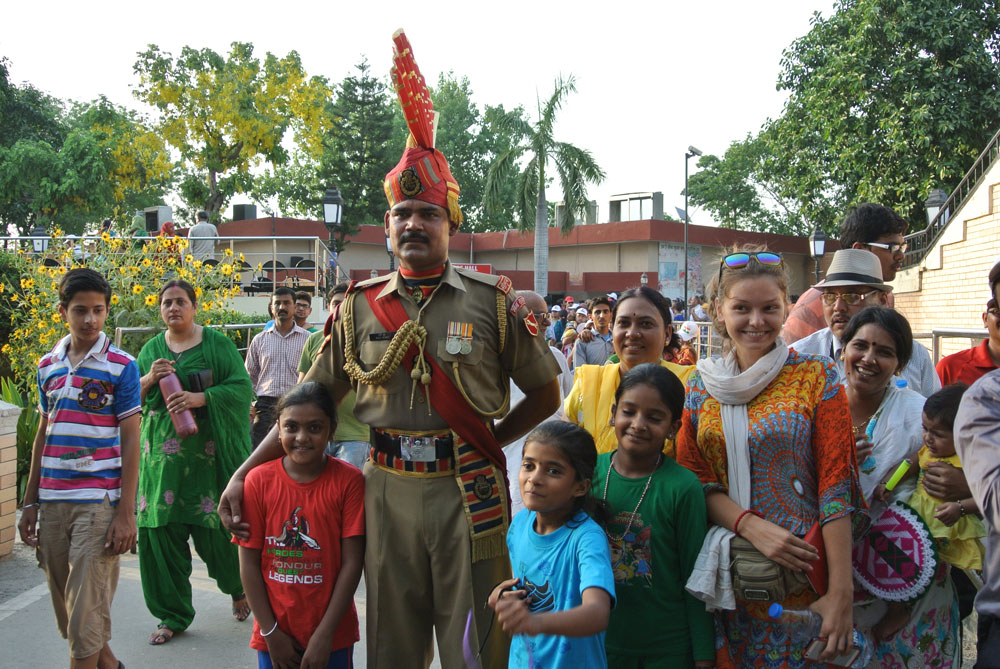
[[29, 638]]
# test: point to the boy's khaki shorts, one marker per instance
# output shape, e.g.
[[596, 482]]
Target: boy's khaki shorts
[[82, 576]]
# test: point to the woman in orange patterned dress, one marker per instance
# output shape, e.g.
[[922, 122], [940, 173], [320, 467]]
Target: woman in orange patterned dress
[[767, 431]]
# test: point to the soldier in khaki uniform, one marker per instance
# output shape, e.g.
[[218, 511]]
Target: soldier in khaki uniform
[[430, 351]]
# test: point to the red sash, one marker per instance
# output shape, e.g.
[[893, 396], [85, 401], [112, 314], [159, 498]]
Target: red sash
[[442, 393]]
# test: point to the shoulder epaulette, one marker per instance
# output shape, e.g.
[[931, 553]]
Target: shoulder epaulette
[[367, 283], [500, 282]]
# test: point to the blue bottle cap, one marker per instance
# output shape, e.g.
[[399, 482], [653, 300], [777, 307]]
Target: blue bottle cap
[[775, 610], [902, 383]]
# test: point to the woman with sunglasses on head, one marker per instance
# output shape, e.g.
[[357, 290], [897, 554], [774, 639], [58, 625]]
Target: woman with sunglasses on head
[[888, 427], [766, 431], [640, 330]]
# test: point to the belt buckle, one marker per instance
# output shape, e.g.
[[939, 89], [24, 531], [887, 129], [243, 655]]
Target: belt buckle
[[417, 449]]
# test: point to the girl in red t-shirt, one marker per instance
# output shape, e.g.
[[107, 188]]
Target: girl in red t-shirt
[[302, 562]]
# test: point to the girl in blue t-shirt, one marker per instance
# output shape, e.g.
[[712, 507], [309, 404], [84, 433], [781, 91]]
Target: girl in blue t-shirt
[[557, 605]]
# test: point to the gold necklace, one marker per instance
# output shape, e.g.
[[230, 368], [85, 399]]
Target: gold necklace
[[635, 511]]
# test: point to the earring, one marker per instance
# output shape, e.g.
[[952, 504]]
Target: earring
[[612, 421]]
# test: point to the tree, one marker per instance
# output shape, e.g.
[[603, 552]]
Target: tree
[[138, 164], [77, 166], [358, 151], [741, 192], [888, 99], [225, 116], [575, 168]]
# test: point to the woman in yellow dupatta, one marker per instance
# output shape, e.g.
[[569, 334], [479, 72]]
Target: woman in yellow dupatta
[[641, 328]]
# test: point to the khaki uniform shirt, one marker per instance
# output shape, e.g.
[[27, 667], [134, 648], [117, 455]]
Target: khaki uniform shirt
[[464, 297]]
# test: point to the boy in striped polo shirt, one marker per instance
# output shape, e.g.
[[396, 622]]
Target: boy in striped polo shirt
[[84, 469]]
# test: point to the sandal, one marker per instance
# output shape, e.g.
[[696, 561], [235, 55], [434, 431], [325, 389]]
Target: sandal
[[241, 608], [162, 635]]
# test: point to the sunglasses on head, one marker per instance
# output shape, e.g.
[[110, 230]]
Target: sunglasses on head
[[738, 260]]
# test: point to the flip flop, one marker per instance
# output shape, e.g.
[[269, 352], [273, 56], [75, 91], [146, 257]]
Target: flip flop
[[162, 635], [241, 613]]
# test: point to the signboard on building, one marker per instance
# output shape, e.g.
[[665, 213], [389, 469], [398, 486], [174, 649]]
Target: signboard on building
[[484, 269], [671, 269]]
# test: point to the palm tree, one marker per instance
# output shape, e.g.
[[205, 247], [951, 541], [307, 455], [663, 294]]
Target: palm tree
[[575, 167]]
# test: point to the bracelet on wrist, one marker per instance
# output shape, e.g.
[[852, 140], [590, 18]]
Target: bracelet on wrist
[[739, 519], [272, 629], [33, 505], [961, 507]]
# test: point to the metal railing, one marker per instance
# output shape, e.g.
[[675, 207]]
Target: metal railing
[[937, 334], [249, 327], [312, 269], [919, 243]]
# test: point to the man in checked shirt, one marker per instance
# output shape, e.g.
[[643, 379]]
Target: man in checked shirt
[[273, 361]]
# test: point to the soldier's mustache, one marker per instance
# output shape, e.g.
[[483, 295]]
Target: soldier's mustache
[[413, 237]]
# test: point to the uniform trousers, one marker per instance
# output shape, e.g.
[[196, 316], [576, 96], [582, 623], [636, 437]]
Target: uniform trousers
[[420, 577], [165, 568]]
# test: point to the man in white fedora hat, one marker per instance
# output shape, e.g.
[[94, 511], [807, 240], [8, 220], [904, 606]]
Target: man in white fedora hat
[[854, 281]]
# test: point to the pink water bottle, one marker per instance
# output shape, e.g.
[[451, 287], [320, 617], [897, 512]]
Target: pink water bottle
[[184, 424]]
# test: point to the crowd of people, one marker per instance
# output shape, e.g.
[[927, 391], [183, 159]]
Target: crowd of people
[[526, 488]]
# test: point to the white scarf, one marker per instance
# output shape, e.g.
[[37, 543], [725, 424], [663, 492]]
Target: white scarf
[[712, 582]]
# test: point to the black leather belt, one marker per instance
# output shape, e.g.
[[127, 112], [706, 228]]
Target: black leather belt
[[416, 449]]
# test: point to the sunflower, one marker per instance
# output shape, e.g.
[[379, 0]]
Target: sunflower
[[137, 288], [150, 300], [229, 253], [146, 262], [105, 237], [114, 299], [226, 269]]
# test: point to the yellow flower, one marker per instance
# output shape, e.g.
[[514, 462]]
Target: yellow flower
[[146, 262], [150, 300], [188, 258], [242, 258], [207, 306], [182, 243], [198, 292], [196, 264], [114, 299], [229, 253], [41, 269], [56, 317], [260, 267], [2, 287], [172, 260], [6, 349], [122, 271], [105, 237], [137, 288], [27, 284], [226, 269], [208, 321]]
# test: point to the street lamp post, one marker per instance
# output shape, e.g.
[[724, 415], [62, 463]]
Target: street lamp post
[[817, 246], [692, 151], [935, 200], [333, 208]]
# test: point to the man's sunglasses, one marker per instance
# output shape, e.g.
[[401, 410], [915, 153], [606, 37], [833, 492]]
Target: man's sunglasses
[[891, 247], [738, 260], [850, 299]]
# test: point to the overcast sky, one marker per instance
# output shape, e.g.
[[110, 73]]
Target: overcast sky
[[652, 77]]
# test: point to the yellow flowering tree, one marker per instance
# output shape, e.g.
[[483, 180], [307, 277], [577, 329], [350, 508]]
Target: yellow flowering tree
[[136, 269]]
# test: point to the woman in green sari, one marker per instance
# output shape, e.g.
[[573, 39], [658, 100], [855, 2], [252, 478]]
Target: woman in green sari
[[180, 479]]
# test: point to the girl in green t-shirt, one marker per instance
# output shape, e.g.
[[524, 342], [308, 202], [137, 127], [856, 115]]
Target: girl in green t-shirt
[[658, 522]]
